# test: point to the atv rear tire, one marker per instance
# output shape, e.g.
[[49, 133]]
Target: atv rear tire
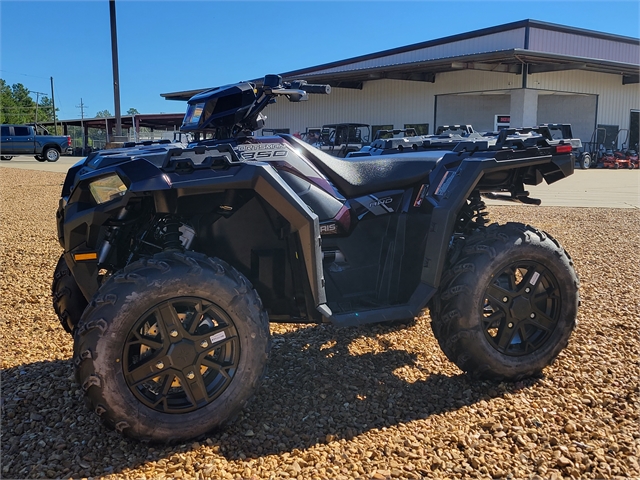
[[68, 301], [172, 347], [6, 158], [507, 306]]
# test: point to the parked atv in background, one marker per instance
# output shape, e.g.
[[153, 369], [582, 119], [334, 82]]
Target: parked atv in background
[[177, 258], [445, 138], [343, 138]]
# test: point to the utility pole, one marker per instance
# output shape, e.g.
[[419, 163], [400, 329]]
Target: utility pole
[[82, 107], [37, 103], [114, 61], [53, 102]]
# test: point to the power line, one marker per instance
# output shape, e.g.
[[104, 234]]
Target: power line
[[23, 74]]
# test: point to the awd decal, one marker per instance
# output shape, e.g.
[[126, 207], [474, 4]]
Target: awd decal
[[381, 201]]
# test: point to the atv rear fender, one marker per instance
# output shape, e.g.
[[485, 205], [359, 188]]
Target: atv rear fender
[[451, 183]]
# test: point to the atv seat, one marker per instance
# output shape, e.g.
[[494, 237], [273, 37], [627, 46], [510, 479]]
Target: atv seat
[[359, 176]]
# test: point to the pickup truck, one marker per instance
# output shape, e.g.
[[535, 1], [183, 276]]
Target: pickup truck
[[25, 140]]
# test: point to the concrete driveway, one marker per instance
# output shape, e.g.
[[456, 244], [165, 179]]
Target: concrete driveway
[[27, 162], [586, 188]]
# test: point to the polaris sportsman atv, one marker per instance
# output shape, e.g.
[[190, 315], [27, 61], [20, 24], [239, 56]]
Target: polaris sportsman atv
[[176, 258]]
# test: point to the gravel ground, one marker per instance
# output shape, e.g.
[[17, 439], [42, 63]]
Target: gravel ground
[[374, 403]]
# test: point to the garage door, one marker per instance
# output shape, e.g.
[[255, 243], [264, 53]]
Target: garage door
[[578, 110]]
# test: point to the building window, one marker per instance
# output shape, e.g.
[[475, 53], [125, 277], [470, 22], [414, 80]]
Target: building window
[[420, 128]]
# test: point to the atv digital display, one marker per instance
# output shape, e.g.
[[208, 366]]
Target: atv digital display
[[194, 112]]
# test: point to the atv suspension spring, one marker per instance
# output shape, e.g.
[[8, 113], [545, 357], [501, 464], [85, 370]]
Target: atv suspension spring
[[171, 233], [473, 215]]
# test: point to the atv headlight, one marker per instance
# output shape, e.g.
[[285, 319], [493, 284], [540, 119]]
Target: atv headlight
[[107, 188]]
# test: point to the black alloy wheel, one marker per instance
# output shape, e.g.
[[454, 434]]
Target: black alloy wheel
[[521, 308], [181, 355]]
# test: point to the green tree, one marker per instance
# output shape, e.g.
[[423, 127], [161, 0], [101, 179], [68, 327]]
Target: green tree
[[7, 103], [103, 114], [17, 105], [133, 111], [45, 110]]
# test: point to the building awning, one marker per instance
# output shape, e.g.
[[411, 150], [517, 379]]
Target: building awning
[[159, 121], [506, 61], [543, 47]]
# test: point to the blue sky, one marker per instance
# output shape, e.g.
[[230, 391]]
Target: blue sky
[[167, 46]]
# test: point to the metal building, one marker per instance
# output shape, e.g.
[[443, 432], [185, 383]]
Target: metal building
[[523, 74]]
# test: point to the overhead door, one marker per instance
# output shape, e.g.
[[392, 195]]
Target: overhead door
[[578, 110]]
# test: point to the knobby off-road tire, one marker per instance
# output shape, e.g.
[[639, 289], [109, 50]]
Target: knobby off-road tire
[[172, 347], [507, 306], [68, 301]]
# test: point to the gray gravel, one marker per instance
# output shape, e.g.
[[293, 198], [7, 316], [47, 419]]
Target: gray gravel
[[375, 403]]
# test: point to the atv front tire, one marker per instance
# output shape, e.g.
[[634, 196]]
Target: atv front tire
[[172, 347], [68, 301], [507, 306]]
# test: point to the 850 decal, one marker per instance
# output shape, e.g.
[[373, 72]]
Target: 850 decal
[[263, 154]]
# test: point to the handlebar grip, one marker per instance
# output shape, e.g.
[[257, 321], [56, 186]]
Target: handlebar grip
[[310, 88]]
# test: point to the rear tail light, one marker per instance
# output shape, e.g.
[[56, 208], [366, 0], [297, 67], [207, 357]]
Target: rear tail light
[[68, 140], [564, 148]]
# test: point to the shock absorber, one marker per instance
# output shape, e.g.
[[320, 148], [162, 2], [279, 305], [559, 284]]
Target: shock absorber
[[110, 238], [171, 234], [479, 210], [473, 215]]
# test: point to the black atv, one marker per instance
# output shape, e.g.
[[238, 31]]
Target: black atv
[[177, 258]]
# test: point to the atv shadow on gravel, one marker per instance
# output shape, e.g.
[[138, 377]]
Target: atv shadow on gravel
[[316, 391]]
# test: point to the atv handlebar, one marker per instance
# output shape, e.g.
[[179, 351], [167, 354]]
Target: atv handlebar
[[322, 89], [295, 91]]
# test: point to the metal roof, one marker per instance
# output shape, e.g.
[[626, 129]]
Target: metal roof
[[543, 47], [154, 120]]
